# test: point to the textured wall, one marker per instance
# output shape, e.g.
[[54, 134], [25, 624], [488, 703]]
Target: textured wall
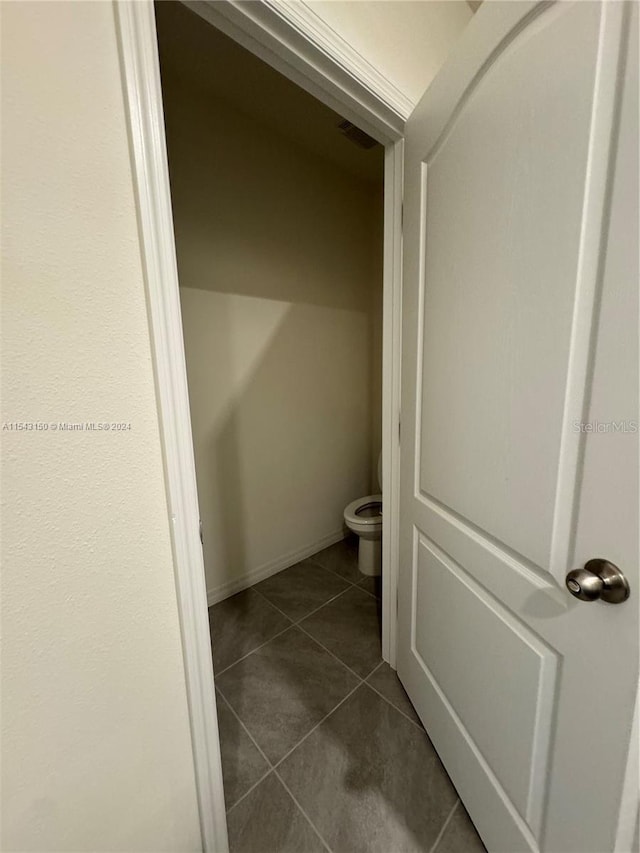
[[96, 750], [278, 269]]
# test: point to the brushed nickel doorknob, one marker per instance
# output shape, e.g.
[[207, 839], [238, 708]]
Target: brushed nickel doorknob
[[599, 579]]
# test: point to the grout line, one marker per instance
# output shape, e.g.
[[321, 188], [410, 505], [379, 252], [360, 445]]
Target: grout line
[[317, 725], [247, 792], [444, 828], [361, 681], [311, 823], [251, 737], [329, 652], [419, 726], [372, 594], [331, 571], [299, 625], [296, 623], [306, 615], [222, 671], [273, 767], [311, 637], [357, 584]]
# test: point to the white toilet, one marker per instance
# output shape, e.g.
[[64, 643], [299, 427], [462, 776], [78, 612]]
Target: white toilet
[[364, 517]]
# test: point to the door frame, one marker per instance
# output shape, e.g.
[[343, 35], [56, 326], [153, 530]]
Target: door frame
[[292, 39]]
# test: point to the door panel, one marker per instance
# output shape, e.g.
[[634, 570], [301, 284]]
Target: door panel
[[516, 274], [469, 646], [503, 251]]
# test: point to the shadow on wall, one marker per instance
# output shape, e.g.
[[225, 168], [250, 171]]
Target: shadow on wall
[[277, 266], [257, 214], [280, 425]]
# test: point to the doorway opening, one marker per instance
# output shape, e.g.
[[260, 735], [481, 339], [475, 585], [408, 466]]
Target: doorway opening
[[278, 222], [278, 212]]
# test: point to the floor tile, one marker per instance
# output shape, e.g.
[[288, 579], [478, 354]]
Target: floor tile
[[370, 780], [242, 764], [268, 821], [284, 689], [302, 588], [341, 558], [373, 585], [349, 627], [241, 623], [385, 681], [460, 836]]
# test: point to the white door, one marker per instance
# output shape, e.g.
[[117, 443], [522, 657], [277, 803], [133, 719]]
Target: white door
[[520, 360]]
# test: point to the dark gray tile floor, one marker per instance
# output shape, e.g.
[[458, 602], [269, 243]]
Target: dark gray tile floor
[[386, 682], [267, 819], [301, 589], [369, 779], [282, 690], [242, 761], [321, 747], [241, 624]]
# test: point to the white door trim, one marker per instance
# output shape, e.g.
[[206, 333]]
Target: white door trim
[[299, 55], [391, 380], [300, 14], [141, 75], [295, 41]]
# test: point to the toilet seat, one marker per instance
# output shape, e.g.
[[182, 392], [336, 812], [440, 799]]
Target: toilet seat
[[364, 518], [358, 512]]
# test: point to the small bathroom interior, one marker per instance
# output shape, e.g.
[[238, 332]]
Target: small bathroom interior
[[278, 218]]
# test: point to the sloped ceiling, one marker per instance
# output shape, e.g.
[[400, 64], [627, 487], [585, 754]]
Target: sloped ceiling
[[196, 55], [405, 40]]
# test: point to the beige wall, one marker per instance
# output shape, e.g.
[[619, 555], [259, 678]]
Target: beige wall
[[376, 338], [278, 269], [95, 744], [406, 40]]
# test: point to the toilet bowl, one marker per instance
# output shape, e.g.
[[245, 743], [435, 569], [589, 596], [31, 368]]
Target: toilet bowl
[[364, 517]]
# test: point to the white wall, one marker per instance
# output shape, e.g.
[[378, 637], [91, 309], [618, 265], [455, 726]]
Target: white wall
[[406, 40], [278, 268], [96, 751]]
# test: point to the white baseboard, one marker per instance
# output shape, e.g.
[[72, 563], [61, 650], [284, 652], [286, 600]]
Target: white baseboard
[[229, 588]]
